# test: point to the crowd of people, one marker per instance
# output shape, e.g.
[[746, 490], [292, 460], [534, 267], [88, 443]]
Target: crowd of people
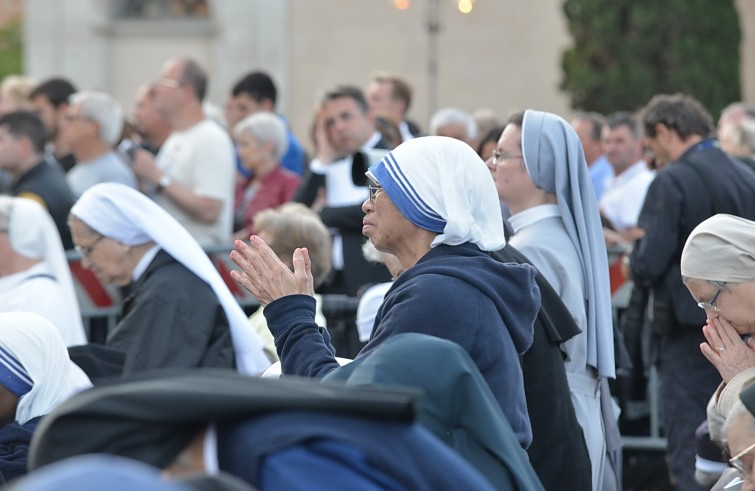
[[477, 252]]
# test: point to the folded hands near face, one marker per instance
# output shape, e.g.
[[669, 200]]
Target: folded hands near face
[[725, 348]]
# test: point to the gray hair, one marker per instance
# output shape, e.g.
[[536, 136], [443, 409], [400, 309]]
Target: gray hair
[[452, 115], [102, 109], [265, 127], [371, 254], [742, 133]]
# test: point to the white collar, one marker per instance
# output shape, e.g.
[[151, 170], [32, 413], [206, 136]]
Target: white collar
[[374, 140], [147, 258], [406, 133], [533, 215], [630, 173]]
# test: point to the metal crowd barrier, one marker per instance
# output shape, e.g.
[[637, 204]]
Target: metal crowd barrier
[[621, 290]]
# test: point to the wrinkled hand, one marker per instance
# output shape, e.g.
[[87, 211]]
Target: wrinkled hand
[[264, 274], [726, 350]]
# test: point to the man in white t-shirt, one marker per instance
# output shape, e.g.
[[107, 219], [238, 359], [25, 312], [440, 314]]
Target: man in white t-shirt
[[193, 174], [625, 193]]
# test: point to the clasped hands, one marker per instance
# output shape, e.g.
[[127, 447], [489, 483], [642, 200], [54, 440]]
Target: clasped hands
[[725, 349], [265, 276]]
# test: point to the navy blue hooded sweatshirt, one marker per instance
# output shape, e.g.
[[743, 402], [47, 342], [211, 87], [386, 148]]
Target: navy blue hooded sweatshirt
[[457, 293]]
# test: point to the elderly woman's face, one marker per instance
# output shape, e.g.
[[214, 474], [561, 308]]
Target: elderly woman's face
[[386, 227], [105, 257], [251, 151], [735, 303]]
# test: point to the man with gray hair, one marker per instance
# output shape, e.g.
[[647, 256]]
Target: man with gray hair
[[193, 175], [92, 126], [455, 123]]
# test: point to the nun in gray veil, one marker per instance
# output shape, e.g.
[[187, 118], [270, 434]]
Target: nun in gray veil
[[558, 228]]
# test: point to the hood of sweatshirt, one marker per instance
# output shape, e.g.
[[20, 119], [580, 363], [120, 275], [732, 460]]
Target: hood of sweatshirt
[[512, 287]]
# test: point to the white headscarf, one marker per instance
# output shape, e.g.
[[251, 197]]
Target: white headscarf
[[556, 163], [126, 215], [34, 364], [33, 235], [721, 248], [440, 184]]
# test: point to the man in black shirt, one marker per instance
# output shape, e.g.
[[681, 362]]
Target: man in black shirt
[[22, 147], [695, 181]]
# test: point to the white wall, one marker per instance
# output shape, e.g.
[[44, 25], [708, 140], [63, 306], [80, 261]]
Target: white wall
[[504, 55]]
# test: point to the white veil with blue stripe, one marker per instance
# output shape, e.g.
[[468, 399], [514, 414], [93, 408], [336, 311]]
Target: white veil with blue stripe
[[33, 355], [441, 184]]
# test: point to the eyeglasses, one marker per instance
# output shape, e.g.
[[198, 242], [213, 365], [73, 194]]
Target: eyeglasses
[[499, 157], [743, 467], [374, 190], [168, 82], [712, 304], [85, 251]]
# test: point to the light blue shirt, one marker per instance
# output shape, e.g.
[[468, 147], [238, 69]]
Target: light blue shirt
[[601, 171]]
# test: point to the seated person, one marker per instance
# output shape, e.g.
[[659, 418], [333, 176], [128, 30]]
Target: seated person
[[261, 142], [180, 313], [34, 272], [433, 205], [284, 229], [36, 375]]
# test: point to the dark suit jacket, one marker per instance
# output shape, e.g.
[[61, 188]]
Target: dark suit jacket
[[357, 271], [678, 199]]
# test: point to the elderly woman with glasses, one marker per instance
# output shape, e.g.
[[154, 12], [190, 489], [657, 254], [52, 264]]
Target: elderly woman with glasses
[[718, 268], [432, 205], [180, 313]]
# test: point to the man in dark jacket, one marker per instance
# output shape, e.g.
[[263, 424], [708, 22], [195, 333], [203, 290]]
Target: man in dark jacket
[[22, 147], [344, 127], [696, 180]]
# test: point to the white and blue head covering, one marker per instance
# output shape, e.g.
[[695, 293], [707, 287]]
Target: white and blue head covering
[[440, 184], [34, 365], [556, 163], [128, 216]]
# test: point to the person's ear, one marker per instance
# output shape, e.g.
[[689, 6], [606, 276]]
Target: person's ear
[[662, 132]]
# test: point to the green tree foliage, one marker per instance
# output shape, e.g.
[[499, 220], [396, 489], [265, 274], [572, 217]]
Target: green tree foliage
[[11, 49], [626, 51]]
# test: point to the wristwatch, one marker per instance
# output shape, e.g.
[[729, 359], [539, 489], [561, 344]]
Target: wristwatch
[[164, 182]]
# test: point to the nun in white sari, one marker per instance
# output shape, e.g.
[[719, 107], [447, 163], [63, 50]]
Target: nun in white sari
[[36, 375], [180, 312], [34, 272]]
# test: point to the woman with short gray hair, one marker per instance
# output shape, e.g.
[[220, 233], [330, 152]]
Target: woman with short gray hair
[[261, 143]]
